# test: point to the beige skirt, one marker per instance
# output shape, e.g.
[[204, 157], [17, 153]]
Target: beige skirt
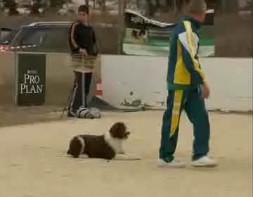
[[89, 64]]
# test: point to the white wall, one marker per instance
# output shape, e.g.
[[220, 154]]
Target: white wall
[[230, 81], [7, 79]]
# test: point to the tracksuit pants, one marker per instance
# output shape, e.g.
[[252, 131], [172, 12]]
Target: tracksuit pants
[[76, 100], [194, 106]]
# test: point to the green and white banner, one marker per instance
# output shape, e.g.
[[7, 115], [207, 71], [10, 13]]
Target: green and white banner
[[143, 36], [31, 79]]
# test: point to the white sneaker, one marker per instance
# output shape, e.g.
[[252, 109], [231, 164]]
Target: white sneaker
[[173, 164], [204, 162]]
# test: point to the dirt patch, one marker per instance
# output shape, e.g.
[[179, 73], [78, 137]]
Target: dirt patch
[[34, 161], [28, 115]]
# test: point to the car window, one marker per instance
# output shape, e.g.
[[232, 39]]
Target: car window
[[46, 39], [33, 37], [7, 36], [56, 40]]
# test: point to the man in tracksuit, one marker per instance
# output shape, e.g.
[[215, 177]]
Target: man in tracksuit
[[187, 90], [82, 41]]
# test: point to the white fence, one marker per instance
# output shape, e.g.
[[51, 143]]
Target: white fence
[[131, 80], [135, 78]]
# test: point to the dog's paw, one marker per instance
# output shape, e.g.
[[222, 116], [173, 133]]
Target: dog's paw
[[126, 157]]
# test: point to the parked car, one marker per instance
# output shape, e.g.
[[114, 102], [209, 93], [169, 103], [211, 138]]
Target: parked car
[[4, 32], [6, 35], [38, 37]]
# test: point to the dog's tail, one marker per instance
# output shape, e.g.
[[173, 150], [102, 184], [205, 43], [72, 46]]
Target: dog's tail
[[76, 147]]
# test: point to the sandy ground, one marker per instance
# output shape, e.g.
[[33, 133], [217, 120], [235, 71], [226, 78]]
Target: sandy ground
[[27, 115], [33, 161]]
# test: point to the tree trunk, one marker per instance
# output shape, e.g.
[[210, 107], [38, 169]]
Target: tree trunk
[[228, 5], [121, 22], [103, 5], [35, 8], [12, 8], [56, 3], [87, 2], [232, 5]]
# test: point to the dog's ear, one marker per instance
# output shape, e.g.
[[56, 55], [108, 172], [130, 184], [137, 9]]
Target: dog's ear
[[118, 130]]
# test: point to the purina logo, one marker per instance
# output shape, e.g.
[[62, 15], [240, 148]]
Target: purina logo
[[136, 19], [31, 79], [31, 83]]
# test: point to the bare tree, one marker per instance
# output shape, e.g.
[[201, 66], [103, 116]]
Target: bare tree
[[35, 7], [12, 6], [180, 4], [86, 2], [56, 3], [230, 5], [121, 22], [170, 5], [102, 4]]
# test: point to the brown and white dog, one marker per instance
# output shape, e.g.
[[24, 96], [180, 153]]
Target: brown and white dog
[[106, 146]]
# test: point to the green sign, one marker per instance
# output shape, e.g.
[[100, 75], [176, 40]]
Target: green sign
[[31, 79], [144, 36]]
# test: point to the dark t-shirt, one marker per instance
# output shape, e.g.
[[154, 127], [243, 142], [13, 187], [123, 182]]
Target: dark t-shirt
[[82, 37]]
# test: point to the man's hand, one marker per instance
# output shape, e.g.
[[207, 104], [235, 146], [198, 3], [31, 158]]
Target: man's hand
[[83, 52], [205, 90]]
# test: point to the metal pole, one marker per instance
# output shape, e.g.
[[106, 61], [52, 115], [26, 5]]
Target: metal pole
[[87, 2], [15, 79], [121, 11], [83, 91]]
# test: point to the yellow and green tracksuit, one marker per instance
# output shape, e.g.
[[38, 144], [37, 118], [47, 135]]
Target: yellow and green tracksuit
[[184, 79]]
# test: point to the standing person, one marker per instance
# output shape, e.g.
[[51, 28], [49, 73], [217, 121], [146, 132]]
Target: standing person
[[82, 41], [187, 90]]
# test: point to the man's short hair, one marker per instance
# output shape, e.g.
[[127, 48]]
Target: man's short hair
[[196, 6], [84, 8]]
